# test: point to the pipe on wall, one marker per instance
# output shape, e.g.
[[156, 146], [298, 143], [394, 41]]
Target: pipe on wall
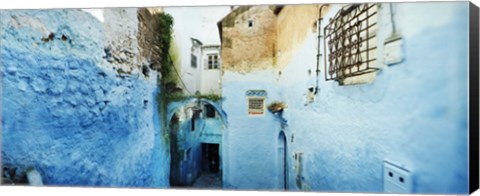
[[319, 25]]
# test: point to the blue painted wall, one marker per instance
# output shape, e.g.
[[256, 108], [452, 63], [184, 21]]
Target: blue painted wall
[[76, 122], [414, 114], [212, 133], [189, 144], [250, 142]]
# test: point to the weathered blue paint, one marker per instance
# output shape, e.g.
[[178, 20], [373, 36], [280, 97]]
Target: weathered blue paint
[[175, 106], [212, 133], [78, 124], [414, 114]]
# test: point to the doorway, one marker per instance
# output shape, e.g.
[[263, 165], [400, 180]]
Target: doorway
[[211, 177], [282, 161], [210, 158]]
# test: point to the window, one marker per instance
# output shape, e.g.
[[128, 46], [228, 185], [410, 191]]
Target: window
[[256, 102], [350, 42], [256, 106], [193, 61], [210, 111], [213, 61]]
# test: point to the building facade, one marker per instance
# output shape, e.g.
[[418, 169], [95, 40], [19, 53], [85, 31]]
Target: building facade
[[196, 46], [341, 127], [204, 70]]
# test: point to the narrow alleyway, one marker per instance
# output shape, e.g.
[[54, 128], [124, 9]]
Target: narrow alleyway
[[208, 181]]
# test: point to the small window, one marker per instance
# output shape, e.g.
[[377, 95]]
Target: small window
[[193, 61], [213, 61], [256, 106], [250, 23], [210, 111], [256, 102]]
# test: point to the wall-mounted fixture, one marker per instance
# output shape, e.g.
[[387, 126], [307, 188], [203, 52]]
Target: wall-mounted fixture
[[319, 54], [396, 179], [393, 50], [310, 96]]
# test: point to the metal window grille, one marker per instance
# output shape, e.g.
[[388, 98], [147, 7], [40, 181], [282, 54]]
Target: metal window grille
[[350, 43], [256, 106], [256, 102]]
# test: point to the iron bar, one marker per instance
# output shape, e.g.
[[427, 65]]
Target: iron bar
[[348, 36]]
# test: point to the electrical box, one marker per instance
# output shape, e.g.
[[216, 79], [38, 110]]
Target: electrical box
[[396, 179], [393, 52]]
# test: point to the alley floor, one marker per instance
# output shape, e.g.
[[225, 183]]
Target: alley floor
[[208, 181]]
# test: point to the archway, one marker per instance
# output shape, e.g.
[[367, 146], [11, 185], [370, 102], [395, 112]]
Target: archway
[[196, 127]]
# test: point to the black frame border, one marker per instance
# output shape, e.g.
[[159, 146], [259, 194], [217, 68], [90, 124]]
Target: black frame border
[[474, 100]]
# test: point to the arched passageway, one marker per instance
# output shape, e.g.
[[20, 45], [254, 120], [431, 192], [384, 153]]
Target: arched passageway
[[195, 128]]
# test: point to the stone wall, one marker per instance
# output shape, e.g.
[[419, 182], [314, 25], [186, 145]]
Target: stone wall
[[244, 47], [120, 41], [276, 32], [294, 24], [148, 36], [66, 109]]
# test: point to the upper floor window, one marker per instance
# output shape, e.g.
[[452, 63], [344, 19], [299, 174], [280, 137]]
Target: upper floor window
[[350, 42], [213, 61]]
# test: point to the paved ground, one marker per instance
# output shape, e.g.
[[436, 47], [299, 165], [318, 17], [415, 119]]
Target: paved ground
[[208, 181]]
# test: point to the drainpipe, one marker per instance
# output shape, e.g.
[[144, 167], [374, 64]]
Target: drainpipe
[[320, 18]]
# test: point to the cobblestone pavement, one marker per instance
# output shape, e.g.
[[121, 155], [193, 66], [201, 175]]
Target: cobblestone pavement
[[208, 181]]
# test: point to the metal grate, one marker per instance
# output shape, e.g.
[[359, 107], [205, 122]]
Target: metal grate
[[349, 37]]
